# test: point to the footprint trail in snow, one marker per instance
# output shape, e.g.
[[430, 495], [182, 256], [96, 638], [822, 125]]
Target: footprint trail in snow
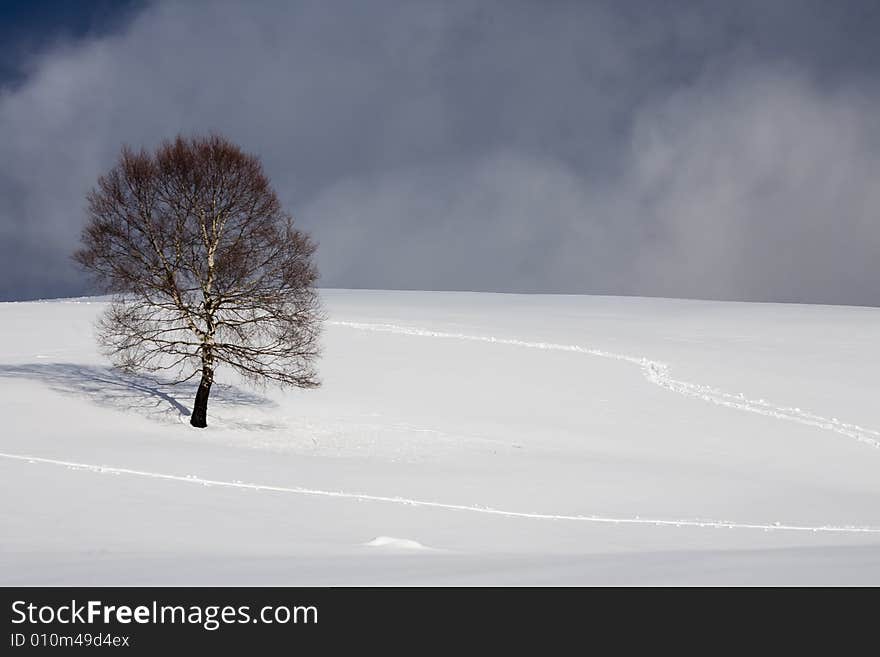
[[655, 372], [298, 490]]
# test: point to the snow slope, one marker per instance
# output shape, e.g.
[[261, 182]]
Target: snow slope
[[458, 438]]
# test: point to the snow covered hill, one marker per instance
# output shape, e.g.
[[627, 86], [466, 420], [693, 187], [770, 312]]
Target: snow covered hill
[[458, 438]]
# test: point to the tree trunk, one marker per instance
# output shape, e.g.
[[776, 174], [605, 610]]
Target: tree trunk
[[200, 408]]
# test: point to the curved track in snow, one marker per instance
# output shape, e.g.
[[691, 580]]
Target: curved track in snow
[[297, 490], [655, 372]]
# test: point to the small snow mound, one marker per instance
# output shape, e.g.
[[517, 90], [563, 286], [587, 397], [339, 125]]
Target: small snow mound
[[395, 543]]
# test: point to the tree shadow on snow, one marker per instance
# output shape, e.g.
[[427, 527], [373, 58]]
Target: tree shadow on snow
[[120, 390]]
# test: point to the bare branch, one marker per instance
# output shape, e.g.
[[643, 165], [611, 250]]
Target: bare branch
[[205, 266]]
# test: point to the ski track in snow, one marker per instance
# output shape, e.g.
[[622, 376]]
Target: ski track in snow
[[655, 372], [297, 490]]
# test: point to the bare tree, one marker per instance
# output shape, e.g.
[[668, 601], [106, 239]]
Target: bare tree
[[205, 267]]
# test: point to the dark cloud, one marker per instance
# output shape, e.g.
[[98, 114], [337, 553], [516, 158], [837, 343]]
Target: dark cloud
[[686, 149]]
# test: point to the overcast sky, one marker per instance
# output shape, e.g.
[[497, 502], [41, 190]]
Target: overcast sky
[[697, 149]]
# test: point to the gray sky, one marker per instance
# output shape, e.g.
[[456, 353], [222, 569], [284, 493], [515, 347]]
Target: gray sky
[[698, 149]]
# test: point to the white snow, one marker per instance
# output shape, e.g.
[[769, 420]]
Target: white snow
[[392, 543], [526, 439]]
